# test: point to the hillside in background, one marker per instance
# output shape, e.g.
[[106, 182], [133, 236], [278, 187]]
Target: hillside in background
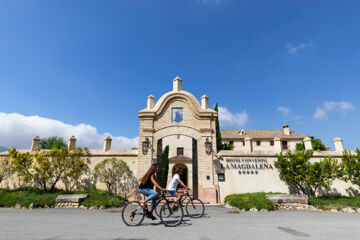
[[3, 149]]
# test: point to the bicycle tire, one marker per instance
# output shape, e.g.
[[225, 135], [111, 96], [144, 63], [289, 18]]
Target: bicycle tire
[[166, 211], [138, 207], [195, 203], [158, 207]]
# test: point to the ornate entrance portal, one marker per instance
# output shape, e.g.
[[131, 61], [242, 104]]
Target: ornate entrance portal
[[179, 121]]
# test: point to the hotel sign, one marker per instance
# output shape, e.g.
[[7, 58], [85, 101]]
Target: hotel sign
[[248, 165]]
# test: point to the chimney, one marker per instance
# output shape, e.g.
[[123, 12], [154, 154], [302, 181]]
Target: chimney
[[286, 129], [177, 84], [107, 143], [338, 145], [204, 102], [35, 143], [308, 143], [71, 142], [150, 102], [277, 145], [248, 144]]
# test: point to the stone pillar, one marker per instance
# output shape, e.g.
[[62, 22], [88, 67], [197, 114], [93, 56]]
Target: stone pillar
[[308, 143], [72, 142], [204, 102], [338, 145], [107, 143], [248, 144], [35, 143], [277, 145], [286, 129], [177, 84], [150, 102]]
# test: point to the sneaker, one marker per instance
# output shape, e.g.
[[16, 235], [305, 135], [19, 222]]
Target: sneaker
[[150, 215]]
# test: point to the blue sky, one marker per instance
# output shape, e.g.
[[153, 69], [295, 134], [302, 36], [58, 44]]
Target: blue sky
[[88, 66]]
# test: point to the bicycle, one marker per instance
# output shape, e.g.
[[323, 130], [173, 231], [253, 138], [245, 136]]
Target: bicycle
[[194, 207], [133, 213]]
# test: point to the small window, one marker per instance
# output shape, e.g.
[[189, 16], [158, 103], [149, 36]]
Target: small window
[[180, 151], [177, 115], [231, 142], [258, 143], [243, 143], [271, 143], [285, 145]]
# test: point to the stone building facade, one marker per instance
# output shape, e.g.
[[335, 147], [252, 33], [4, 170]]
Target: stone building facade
[[187, 126]]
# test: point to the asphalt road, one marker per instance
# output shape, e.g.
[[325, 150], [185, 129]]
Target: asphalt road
[[219, 223]]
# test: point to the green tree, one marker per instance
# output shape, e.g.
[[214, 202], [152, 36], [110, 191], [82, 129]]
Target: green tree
[[52, 143], [46, 168], [350, 166], [316, 144], [218, 132], [305, 176], [116, 175], [164, 170]]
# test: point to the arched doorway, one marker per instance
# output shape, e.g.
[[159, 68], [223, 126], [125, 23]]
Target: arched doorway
[[184, 175]]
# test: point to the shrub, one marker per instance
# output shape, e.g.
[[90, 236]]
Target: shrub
[[250, 200], [116, 175], [47, 168], [350, 166], [306, 177], [101, 198]]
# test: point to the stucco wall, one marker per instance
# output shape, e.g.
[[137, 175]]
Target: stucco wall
[[267, 179]]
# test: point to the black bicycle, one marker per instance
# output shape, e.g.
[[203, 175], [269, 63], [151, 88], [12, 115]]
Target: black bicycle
[[194, 207], [171, 213]]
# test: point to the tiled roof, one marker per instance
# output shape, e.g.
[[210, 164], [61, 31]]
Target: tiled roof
[[259, 134]]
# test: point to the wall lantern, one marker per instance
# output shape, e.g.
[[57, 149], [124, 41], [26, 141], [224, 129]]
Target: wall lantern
[[208, 147], [145, 146]]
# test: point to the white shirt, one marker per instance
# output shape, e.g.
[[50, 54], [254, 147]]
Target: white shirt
[[174, 182]]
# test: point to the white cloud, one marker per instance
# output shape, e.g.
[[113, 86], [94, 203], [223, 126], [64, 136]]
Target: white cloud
[[227, 118], [19, 130], [294, 49], [284, 110], [342, 106]]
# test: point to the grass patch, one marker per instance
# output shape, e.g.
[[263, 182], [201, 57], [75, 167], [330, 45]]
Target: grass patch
[[336, 202], [28, 195], [250, 200]]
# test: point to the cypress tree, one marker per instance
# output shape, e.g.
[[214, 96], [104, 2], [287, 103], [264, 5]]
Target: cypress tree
[[164, 167], [218, 133]]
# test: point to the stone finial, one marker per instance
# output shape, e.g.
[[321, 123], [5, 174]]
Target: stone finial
[[177, 84], [339, 147], [277, 145], [286, 129], [107, 143], [308, 143], [71, 142], [204, 102], [35, 143], [248, 144], [150, 102]]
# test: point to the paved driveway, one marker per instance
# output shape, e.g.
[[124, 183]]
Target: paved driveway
[[219, 223]]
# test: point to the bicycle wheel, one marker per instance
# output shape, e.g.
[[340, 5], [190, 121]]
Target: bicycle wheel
[[195, 208], [171, 216], [133, 214], [158, 207]]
